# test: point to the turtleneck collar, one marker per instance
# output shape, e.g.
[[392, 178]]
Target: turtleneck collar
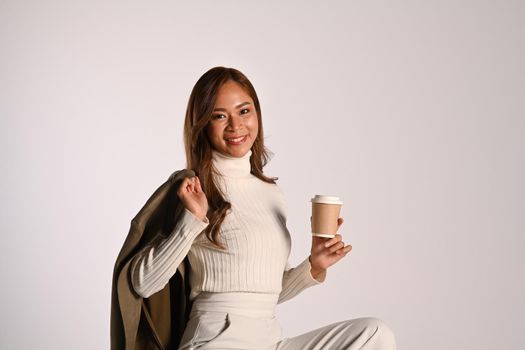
[[234, 167]]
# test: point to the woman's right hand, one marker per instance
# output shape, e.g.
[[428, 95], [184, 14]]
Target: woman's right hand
[[192, 197]]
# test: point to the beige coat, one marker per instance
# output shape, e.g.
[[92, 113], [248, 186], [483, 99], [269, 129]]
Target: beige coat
[[157, 322]]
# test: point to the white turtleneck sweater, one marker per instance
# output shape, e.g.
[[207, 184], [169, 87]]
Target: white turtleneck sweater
[[254, 233]]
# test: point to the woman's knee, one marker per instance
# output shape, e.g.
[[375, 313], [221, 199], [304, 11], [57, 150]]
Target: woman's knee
[[378, 330], [382, 331]]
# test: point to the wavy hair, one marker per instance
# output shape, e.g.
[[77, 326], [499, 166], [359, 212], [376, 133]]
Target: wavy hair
[[199, 149]]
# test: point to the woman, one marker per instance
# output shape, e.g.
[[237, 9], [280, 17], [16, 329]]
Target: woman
[[233, 231]]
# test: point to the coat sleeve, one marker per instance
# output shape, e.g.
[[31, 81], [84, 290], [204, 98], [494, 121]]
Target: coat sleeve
[[153, 266], [297, 279]]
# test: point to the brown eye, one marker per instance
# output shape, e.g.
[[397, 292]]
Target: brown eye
[[246, 109], [216, 116]]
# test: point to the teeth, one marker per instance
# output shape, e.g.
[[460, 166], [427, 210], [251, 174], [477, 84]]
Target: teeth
[[237, 139]]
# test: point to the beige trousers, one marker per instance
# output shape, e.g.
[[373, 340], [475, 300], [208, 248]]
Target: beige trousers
[[247, 321]]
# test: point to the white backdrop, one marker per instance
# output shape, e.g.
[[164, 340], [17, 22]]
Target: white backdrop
[[411, 111]]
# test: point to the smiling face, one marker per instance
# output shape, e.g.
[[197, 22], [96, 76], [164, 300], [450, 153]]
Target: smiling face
[[233, 127]]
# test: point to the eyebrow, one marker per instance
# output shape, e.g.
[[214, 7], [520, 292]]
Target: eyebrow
[[238, 106]]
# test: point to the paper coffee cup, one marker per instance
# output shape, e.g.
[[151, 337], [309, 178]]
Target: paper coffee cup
[[325, 213]]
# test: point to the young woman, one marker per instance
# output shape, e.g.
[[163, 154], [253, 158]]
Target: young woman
[[233, 231]]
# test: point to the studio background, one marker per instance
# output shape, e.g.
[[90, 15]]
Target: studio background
[[411, 111]]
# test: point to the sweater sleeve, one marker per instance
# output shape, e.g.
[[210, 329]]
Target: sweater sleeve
[[297, 279], [153, 267]]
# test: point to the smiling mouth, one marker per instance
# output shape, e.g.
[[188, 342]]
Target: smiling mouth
[[236, 140]]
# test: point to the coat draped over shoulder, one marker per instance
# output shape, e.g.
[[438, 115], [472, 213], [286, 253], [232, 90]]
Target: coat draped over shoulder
[[157, 322]]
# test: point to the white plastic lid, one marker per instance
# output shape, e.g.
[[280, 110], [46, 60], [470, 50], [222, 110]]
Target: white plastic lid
[[326, 199]]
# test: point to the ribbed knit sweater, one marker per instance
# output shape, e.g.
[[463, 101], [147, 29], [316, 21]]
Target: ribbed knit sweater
[[254, 233]]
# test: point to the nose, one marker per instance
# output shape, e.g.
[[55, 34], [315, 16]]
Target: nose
[[235, 123]]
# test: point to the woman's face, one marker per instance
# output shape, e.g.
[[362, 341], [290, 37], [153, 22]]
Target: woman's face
[[234, 125]]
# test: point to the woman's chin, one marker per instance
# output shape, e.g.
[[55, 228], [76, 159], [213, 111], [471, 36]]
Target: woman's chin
[[236, 151]]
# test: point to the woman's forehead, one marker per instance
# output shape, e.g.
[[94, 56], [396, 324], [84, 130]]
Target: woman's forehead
[[232, 96]]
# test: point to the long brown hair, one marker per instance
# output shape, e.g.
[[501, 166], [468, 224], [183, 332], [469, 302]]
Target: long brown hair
[[199, 149]]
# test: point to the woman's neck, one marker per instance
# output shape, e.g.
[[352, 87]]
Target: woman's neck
[[232, 167]]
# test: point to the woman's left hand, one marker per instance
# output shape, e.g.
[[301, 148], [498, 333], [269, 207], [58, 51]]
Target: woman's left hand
[[327, 251]]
